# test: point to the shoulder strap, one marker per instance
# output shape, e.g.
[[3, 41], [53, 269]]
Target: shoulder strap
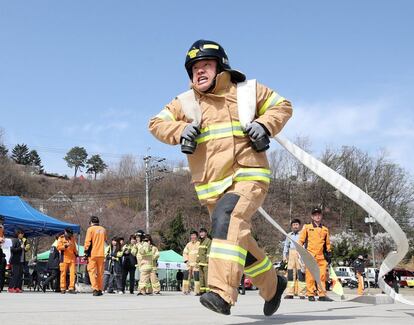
[[246, 101], [190, 106]]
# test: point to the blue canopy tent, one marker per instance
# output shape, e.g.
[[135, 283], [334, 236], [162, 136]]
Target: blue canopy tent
[[18, 214]]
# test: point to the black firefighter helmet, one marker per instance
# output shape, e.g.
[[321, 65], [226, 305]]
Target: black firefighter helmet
[[202, 50]]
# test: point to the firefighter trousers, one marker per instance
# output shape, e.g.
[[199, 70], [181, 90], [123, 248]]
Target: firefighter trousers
[[310, 281], [144, 285], [155, 283], [96, 272], [360, 284], [203, 271], [233, 249], [296, 285], [64, 268], [191, 274]]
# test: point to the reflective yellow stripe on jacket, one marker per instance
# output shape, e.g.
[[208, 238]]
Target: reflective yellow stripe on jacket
[[166, 115], [216, 188], [228, 252], [273, 100], [258, 269], [220, 130]]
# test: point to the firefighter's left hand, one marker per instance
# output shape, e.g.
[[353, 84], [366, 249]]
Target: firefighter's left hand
[[255, 130]]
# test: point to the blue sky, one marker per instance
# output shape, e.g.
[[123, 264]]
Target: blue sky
[[92, 73]]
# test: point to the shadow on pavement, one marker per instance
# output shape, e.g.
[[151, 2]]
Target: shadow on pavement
[[296, 317], [288, 318]]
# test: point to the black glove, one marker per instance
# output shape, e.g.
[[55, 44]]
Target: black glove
[[255, 130], [190, 132]]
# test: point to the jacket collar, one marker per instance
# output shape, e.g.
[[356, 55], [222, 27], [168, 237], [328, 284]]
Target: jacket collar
[[223, 83], [316, 226]]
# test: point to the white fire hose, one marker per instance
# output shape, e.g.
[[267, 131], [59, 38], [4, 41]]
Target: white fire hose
[[364, 201]]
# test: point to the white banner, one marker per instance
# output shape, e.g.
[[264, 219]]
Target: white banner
[[172, 265]]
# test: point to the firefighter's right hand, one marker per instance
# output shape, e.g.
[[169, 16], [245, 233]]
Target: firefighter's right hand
[[284, 259], [190, 132]]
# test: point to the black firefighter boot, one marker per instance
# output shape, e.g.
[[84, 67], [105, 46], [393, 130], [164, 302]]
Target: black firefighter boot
[[214, 302], [270, 307]]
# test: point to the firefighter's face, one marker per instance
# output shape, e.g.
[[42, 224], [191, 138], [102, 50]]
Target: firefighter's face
[[204, 72], [193, 237], [202, 234], [317, 217], [295, 226]]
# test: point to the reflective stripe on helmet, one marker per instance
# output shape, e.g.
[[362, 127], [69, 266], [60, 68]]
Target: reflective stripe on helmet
[[211, 46], [273, 100], [166, 115], [228, 252], [216, 188], [221, 130]]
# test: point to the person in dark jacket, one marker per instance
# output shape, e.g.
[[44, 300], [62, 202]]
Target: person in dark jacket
[[3, 264], [17, 261], [393, 279], [53, 268], [129, 262], [113, 269], [179, 277]]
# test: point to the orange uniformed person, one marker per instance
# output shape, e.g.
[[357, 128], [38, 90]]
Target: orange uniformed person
[[359, 267], [225, 137], [315, 237], [66, 245], [95, 252]]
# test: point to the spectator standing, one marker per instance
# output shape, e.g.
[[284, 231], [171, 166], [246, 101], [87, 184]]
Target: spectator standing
[[129, 261], [53, 268], [359, 267], [17, 261], [315, 237], [95, 253], [68, 253], [113, 270], [296, 285], [190, 258], [202, 260]]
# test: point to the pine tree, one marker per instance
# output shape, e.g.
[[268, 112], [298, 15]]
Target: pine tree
[[20, 154], [96, 165], [76, 158], [3, 151], [35, 161], [175, 237]]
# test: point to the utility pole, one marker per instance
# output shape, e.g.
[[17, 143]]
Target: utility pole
[[149, 168], [147, 175], [370, 220]]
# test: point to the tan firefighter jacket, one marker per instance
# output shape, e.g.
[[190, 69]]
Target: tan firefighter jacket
[[147, 256], [203, 252], [224, 153], [190, 253]]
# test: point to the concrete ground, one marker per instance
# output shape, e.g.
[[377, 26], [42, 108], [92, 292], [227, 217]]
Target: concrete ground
[[174, 308]]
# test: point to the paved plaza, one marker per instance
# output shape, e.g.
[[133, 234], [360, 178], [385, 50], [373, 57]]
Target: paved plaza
[[175, 308]]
